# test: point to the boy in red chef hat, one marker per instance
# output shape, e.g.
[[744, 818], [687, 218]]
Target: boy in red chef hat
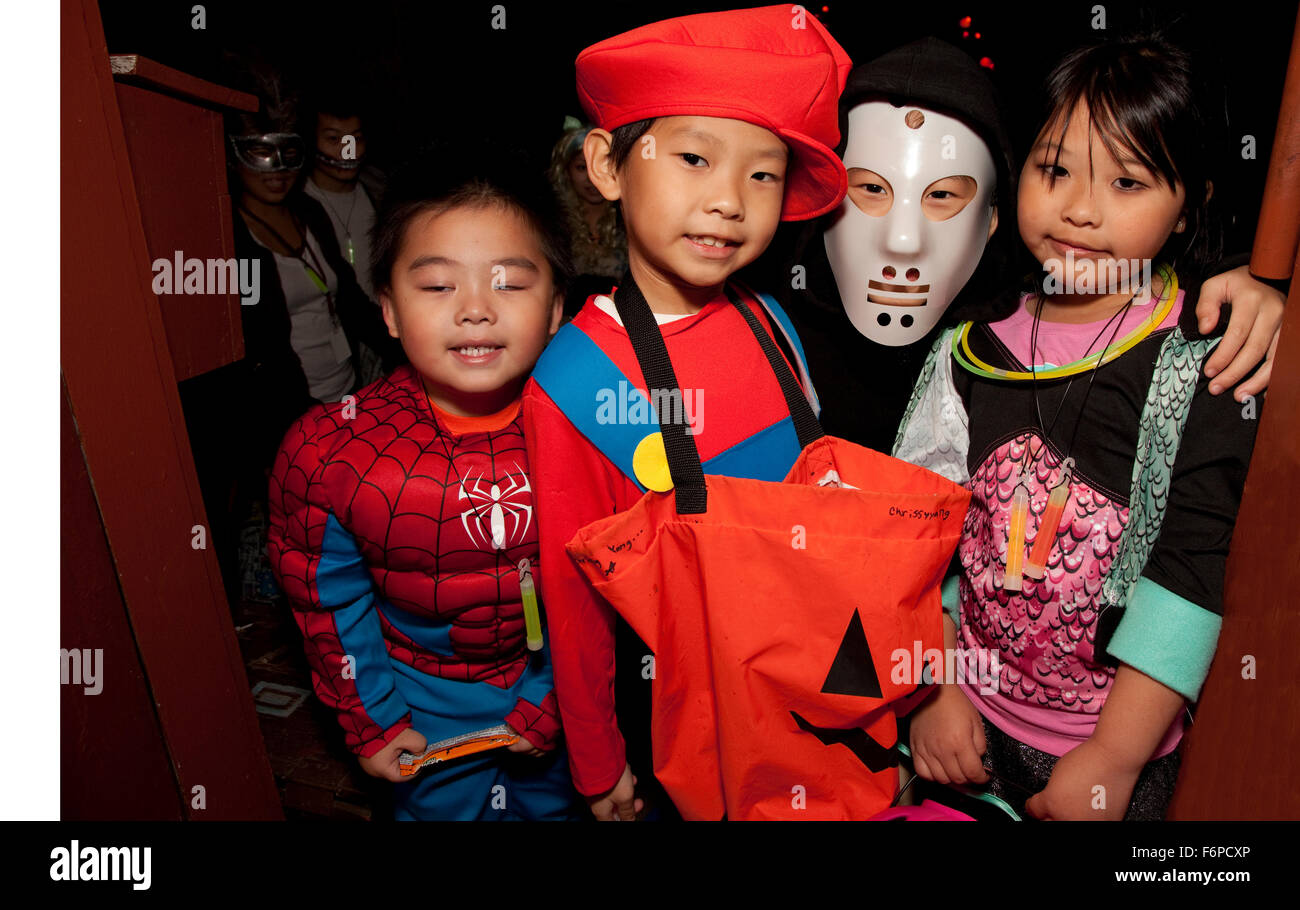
[[710, 129]]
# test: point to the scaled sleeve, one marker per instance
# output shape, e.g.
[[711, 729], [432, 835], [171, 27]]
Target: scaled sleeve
[[935, 432], [1170, 628], [320, 568]]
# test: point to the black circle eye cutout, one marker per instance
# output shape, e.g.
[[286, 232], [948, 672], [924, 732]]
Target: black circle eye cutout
[[906, 321], [883, 319]]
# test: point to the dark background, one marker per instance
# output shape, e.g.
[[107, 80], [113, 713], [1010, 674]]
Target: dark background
[[439, 70]]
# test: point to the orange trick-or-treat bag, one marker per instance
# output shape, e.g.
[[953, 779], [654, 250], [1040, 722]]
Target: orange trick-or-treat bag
[[788, 620]]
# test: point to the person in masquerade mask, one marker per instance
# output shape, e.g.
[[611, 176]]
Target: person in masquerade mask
[[925, 238], [301, 339], [1104, 477]]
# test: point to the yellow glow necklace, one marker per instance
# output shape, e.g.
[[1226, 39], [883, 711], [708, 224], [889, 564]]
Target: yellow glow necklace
[[962, 353]]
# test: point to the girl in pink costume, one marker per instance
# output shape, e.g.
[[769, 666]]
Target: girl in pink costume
[[1105, 477]]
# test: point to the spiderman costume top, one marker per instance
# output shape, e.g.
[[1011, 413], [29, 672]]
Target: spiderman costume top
[[397, 539]]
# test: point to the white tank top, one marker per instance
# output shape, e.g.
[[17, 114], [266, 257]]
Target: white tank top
[[321, 345]]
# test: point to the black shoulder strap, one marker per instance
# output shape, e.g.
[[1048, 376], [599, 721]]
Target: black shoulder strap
[[657, 369], [776, 332], [805, 422]]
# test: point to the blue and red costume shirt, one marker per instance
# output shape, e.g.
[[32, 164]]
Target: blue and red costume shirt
[[742, 428], [396, 535]]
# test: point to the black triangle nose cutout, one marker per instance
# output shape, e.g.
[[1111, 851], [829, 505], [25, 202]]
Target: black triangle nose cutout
[[853, 672]]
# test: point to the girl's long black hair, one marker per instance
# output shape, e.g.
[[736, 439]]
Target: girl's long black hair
[[1144, 100]]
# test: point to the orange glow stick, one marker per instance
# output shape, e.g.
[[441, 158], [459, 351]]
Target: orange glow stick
[[1016, 537], [1036, 567], [1050, 525]]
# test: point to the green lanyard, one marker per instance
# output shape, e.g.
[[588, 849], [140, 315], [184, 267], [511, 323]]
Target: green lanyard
[[346, 222], [312, 273]]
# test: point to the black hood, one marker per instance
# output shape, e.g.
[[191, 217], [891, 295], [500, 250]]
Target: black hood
[[934, 74]]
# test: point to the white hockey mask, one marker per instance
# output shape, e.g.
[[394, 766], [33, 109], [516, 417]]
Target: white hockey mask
[[899, 271]]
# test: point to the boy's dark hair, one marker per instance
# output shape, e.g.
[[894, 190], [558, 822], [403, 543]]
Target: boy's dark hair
[[624, 138], [1142, 100], [438, 180], [332, 96]]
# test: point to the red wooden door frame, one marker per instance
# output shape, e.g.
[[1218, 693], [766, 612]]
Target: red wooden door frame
[[1239, 758], [121, 383]]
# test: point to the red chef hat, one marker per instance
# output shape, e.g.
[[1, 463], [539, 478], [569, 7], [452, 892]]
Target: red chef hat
[[771, 67]]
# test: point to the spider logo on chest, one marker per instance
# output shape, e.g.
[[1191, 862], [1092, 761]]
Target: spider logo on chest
[[490, 506]]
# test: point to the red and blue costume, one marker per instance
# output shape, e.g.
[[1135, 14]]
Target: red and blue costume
[[396, 533], [584, 420]]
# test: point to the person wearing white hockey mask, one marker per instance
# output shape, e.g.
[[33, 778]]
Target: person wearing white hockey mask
[[821, 270], [912, 229]]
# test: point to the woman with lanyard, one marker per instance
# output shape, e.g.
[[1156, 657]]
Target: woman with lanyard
[[301, 339]]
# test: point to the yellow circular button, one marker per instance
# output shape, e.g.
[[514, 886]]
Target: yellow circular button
[[650, 463]]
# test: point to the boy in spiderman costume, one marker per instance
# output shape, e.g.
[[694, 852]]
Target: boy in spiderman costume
[[399, 519]]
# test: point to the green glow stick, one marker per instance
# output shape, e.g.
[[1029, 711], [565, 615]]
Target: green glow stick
[[316, 279], [532, 616]]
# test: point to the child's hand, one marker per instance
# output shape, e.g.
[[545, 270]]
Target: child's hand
[[620, 803], [1252, 331], [948, 739], [523, 745], [1071, 793], [384, 762]]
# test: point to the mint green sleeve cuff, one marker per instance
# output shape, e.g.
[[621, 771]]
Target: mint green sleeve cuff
[[1167, 637], [951, 600]]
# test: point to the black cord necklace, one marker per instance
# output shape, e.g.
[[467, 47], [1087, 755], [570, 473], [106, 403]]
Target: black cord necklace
[[293, 252], [346, 222], [1033, 368], [1036, 566], [315, 274]]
